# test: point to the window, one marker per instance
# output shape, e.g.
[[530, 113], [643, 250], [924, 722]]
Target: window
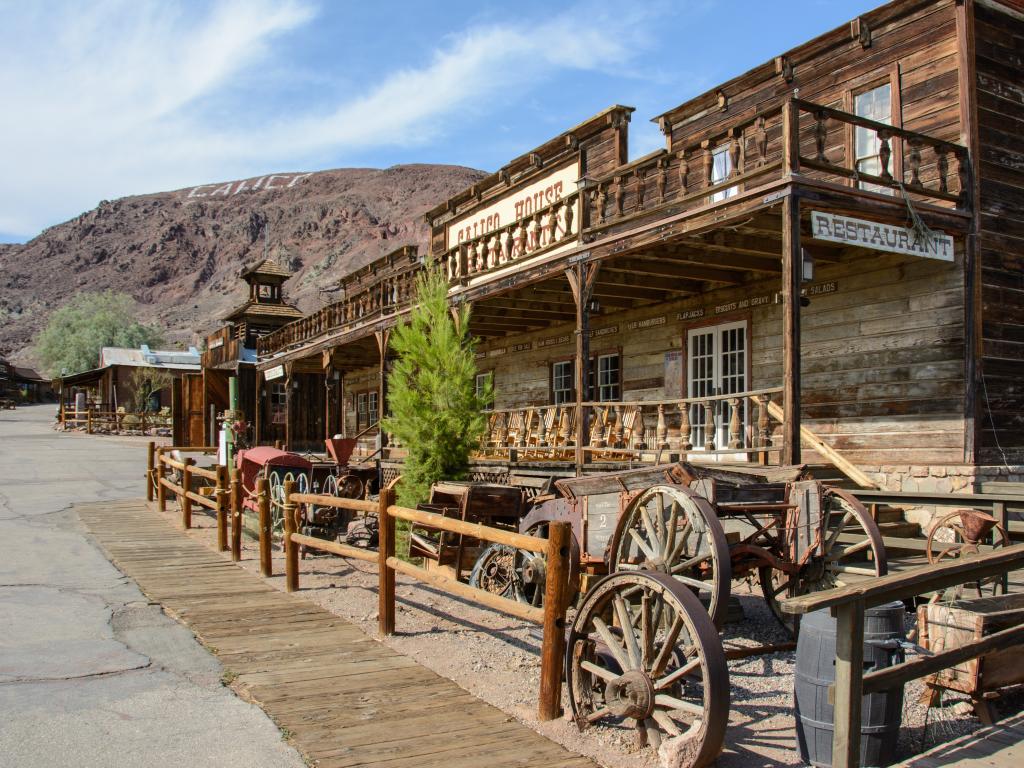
[[716, 365], [876, 105], [485, 381], [278, 402], [366, 409], [608, 377], [562, 390], [721, 169]]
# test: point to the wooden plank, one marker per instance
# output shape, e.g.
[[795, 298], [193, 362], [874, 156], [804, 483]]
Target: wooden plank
[[347, 699]]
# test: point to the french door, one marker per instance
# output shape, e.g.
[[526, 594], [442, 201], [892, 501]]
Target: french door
[[716, 365]]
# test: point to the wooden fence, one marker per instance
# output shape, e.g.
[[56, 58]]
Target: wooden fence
[[113, 421], [848, 605], [555, 548]]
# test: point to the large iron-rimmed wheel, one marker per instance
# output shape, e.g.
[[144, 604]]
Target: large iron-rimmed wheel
[[966, 533], [851, 549], [642, 651], [671, 529], [519, 574]]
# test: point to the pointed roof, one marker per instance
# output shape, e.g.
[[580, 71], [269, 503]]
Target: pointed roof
[[265, 268], [255, 310]]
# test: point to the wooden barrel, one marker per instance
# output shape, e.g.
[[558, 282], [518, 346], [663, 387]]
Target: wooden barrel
[[816, 671]]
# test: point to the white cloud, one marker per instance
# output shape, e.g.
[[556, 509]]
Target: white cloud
[[114, 98]]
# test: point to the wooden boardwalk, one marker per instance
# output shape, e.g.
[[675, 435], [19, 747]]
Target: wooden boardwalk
[[997, 746], [344, 698]]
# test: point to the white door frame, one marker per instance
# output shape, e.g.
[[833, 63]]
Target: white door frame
[[709, 377]]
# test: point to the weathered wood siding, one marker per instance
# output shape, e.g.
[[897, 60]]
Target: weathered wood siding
[[999, 56], [882, 356]]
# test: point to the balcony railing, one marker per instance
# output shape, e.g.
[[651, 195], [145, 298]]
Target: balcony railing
[[384, 298], [538, 232], [733, 425], [796, 137]]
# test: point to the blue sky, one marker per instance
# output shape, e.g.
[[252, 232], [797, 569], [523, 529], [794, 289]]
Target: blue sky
[[120, 97]]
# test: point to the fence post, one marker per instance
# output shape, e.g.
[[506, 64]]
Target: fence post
[[143, 422], [236, 516], [186, 487], [849, 684], [555, 599], [88, 422], [161, 491], [221, 492], [291, 549], [150, 469], [385, 575], [263, 505]]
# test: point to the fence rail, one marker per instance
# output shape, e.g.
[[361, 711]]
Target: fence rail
[[555, 548], [113, 421], [848, 605]]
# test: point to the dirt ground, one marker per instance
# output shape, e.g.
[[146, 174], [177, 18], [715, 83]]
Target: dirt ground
[[497, 658]]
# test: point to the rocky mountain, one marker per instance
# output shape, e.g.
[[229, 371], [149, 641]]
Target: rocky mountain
[[179, 253]]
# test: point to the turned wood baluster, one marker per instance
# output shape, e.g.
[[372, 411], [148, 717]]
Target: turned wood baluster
[[502, 430], [761, 141], [884, 155], [640, 179], [709, 425], [600, 199], [685, 428], [661, 432], [552, 428], [684, 169], [735, 153], [964, 176], [820, 135], [762, 421], [942, 166], [735, 428], [600, 419], [662, 180], [526, 430], [619, 194], [616, 434], [639, 432], [709, 163], [914, 161]]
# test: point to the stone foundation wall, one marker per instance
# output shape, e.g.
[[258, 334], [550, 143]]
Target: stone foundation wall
[[941, 478]]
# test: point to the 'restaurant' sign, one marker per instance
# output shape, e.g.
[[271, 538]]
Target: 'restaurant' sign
[[880, 237]]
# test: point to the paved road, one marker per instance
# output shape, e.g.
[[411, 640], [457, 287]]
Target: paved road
[[91, 674]]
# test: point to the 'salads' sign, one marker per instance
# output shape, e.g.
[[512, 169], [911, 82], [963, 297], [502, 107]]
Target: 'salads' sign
[[880, 237]]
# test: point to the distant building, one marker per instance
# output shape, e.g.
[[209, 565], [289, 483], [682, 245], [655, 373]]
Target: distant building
[[108, 386]]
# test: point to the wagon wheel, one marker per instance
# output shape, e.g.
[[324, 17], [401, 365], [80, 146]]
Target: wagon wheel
[[955, 536], [642, 650], [851, 548], [495, 571], [520, 574], [277, 482], [351, 486], [670, 529]]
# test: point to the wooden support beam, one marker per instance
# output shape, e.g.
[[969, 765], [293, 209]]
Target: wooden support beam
[[661, 267], [848, 686], [383, 340], [722, 258], [791, 275], [582, 281], [611, 301]]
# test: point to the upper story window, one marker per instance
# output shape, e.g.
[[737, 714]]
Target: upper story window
[[608, 377], [484, 384], [721, 170], [876, 105], [278, 402], [562, 389]]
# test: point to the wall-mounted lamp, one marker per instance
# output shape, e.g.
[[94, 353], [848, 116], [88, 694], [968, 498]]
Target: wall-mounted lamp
[[594, 307], [806, 266]]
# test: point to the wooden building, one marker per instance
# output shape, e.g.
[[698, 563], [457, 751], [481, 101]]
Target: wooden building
[[822, 265], [231, 351]]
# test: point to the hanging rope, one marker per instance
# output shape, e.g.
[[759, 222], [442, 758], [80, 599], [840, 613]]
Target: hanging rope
[[922, 232]]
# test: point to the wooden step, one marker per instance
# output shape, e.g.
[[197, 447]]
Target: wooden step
[[900, 530]]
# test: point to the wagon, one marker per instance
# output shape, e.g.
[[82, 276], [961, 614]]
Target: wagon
[[277, 467], [655, 553]]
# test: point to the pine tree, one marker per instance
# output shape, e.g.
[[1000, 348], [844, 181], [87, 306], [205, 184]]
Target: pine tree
[[436, 413]]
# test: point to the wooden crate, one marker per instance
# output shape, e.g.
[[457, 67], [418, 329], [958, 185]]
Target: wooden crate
[[944, 626]]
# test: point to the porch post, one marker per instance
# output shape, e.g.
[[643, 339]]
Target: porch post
[[581, 278], [792, 268], [288, 407], [257, 418], [328, 372], [383, 337]]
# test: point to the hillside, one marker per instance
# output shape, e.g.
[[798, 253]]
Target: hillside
[[179, 253]]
